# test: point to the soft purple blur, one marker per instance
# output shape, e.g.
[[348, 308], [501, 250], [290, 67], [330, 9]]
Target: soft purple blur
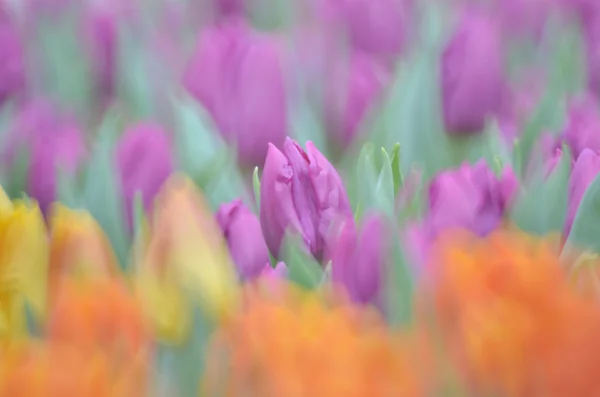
[[243, 234], [301, 192], [354, 87], [12, 58], [358, 259], [144, 158], [52, 142], [583, 126], [470, 197], [236, 73], [585, 170], [472, 74], [380, 28]]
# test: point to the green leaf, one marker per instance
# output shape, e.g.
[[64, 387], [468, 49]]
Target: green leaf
[[139, 215], [227, 184], [566, 77], [180, 368], [400, 287], [67, 190], [256, 185], [306, 120], [67, 74], [303, 269], [396, 169], [586, 226], [15, 183], [197, 143], [541, 209], [102, 195], [366, 177], [134, 84], [272, 14], [384, 190]]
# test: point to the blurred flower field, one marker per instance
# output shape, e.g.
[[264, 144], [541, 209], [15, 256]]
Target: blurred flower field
[[299, 198]]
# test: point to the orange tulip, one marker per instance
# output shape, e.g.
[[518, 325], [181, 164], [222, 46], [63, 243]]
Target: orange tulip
[[304, 344], [510, 319], [78, 247]]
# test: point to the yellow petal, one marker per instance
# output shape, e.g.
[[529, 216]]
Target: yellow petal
[[194, 248], [5, 203], [78, 245], [25, 256], [165, 305]]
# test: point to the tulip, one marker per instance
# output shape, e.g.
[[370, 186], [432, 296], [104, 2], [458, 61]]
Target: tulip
[[353, 91], [237, 75], [302, 193], [243, 234], [184, 252], [229, 7], [57, 370], [78, 247], [23, 266], [53, 143], [583, 126], [472, 74], [279, 272], [378, 27], [587, 166], [99, 313], [525, 17], [358, 260], [470, 197], [145, 162], [12, 58], [519, 105]]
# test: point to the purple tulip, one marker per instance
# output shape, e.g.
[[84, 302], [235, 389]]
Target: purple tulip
[[145, 161], [243, 234], [583, 126], [229, 7], [12, 62], [591, 36], [469, 197], [301, 192], [237, 75], [353, 90], [280, 271], [377, 27], [472, 74], [585, 170], [519, 104], [525, 17], [52, 142], [358, 260]]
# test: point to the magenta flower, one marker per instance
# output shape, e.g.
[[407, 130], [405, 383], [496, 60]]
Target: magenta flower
[[470, 197], [12, 62], [52, 142], [237, 74], [472, 74], [144, 159], [243, 234], [378, 27], [279, 272], [583, 126], [358, 259], [301, 192], [353, 90], [585, 170]]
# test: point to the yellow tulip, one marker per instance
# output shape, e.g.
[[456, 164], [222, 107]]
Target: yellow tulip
[[78, 247], [185, 256], [23, 264]]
